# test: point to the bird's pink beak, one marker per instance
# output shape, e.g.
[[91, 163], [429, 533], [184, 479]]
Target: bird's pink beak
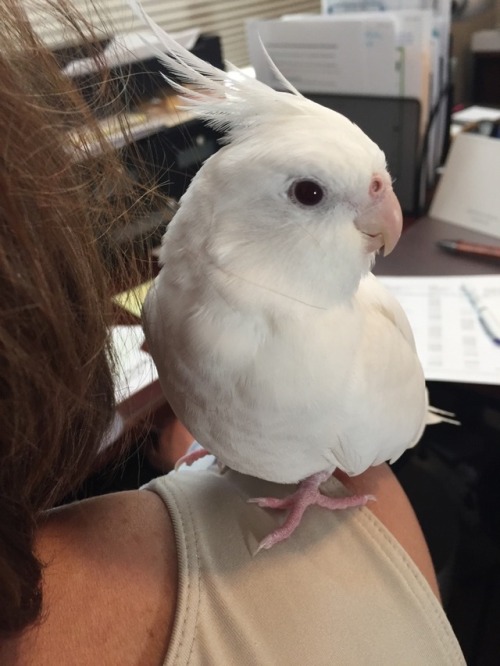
[[381, 222]]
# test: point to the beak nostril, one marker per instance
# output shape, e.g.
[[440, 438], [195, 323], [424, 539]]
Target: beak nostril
[[376, 185]]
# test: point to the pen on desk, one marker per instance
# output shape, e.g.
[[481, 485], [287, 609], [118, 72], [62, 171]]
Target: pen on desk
[[486, 316], [464, 247]]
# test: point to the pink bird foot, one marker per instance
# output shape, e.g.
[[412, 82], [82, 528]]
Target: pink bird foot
[[190, 458], [307, 494]]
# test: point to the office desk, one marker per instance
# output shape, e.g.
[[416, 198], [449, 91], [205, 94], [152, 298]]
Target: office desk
[[417, 252]]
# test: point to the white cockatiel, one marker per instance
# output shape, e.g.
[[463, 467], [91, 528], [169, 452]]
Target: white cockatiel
[[275, 345]]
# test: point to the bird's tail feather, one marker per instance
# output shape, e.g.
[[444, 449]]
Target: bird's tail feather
[[435, 415]]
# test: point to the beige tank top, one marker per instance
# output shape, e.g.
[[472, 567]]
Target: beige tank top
[[340, 590]]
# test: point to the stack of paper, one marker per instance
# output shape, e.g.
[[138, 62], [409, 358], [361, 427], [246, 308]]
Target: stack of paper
[[134, 368], [451, 341]]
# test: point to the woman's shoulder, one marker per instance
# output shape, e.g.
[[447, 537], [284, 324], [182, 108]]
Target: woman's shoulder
[[199, 491], [110, 583]]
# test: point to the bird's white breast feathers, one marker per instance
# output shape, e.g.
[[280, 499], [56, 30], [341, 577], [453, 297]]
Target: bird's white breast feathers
[[282, 396]]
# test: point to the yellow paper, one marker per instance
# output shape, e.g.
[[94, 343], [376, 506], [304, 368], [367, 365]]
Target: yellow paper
[[133, 299]]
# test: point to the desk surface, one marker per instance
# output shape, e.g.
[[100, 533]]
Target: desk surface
[[417, 252]]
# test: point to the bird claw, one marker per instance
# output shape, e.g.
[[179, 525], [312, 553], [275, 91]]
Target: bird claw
[[307, 494], [292, 521], [192, 457]]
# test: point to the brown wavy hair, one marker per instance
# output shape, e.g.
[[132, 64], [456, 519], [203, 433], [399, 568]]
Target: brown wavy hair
[[56, 386]]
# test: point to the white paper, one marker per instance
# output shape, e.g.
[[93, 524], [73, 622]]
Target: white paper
[[353, 54], [134, 368], [468, 193], [473, 114], [130, 47], [451, 343]]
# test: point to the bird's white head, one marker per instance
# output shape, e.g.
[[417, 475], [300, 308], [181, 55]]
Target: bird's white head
[[299, 200]]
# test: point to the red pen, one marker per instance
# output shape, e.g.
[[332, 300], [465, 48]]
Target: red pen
[[465, 247]]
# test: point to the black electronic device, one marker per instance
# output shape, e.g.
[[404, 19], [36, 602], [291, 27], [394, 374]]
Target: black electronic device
[[173, 155]]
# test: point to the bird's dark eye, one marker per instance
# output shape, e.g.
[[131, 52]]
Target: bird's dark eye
[[306, 192]]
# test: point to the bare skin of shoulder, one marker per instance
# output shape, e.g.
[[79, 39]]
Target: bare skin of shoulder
[[110, 584]]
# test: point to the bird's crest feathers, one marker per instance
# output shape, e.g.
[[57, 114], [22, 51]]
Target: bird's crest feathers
[[230, 101]]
